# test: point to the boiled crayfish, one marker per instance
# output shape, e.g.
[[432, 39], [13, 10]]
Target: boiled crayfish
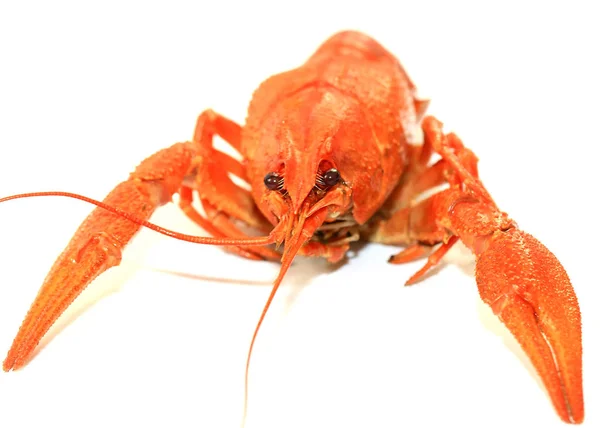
[[335, 151]]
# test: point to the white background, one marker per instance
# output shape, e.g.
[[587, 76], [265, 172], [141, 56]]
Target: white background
[[88, 92]]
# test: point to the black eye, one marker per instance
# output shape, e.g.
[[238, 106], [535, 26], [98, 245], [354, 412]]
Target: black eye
[[273, 181], [331, 177]]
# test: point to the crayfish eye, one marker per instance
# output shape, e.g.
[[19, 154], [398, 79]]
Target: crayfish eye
[[331, 177], [273, 181]]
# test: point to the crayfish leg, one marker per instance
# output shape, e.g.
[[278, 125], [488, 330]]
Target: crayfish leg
[[220, 225], [409, 254], [223, 200], [433, 259]]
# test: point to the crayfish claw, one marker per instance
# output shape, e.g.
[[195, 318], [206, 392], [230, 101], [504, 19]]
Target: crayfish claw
[[530, 291], [95, 247], [71, 273]]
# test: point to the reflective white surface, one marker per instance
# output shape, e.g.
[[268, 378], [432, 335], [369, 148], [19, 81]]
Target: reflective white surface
[[87, 93]]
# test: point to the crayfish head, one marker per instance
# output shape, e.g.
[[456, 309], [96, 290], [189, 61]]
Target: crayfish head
[[299, 159], [329, 190], [319, 144], [326, 202]]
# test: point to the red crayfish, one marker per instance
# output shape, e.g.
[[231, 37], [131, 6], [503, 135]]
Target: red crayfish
[[335, 151]]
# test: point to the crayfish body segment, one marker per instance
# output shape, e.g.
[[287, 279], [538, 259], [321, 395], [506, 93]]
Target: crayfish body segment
[[333, 153]]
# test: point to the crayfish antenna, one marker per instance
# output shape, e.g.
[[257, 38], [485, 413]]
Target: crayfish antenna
[[530, 291], [297, 230], [261, 240]]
